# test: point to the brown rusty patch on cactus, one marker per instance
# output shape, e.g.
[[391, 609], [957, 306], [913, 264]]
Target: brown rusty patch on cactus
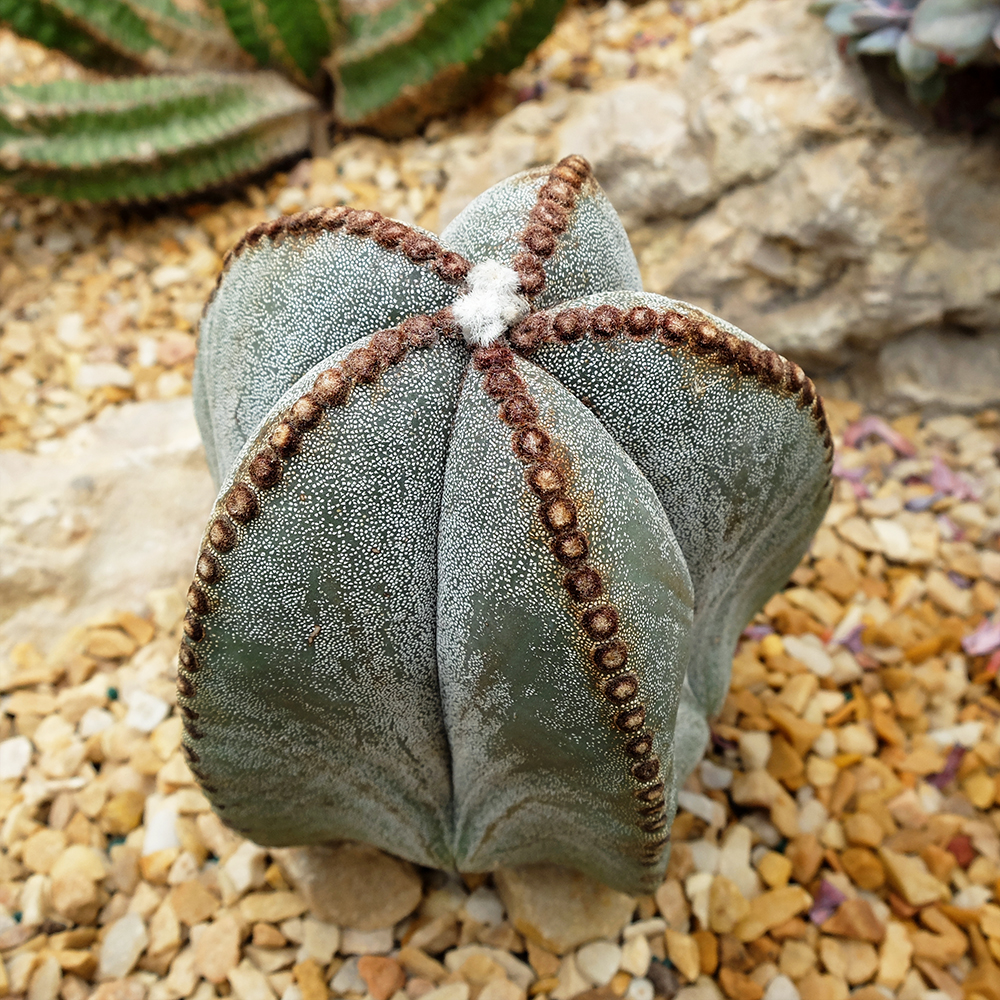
[[548, 475]]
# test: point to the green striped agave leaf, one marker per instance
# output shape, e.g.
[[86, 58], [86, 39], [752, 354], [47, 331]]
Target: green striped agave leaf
[[490, 521], [148, 137], [402, 62], [128, 35]]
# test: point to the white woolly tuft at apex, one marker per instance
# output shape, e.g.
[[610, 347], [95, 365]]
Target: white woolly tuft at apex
[[492, 303]]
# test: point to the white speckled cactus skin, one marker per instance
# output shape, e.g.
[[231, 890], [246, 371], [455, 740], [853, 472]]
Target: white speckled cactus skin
[[472, 600]]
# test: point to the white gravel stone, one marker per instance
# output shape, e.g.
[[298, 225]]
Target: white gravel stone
[[644, 928], [355, 942], [714, 776], [705, 856], [15, 756], [571, 980], [320, 941], [450, 991], [246, 867], [348, 979], [517, 971], [35, 899], [703, 989], [640, 989], [95, 720], [636, 955], [755, 750], [703, 807], [972, 897], [599, 961], [101, 373], [781, 988], [812, 817], [45, 980], [292, 992], [161, 830], [808, 650], [485, 906], [249, 983], [967, 735], [124, 942], [145, 711]]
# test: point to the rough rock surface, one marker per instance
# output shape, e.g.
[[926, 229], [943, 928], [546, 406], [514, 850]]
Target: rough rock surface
[[337, 879], [766, 185], [101, 517]]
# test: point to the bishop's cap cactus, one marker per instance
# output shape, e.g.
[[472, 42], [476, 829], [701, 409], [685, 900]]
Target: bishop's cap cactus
[[490, 521]]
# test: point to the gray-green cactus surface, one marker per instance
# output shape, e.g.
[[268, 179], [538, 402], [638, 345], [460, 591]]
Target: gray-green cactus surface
[[490, 521]]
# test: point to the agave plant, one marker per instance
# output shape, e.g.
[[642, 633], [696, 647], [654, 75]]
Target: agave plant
[[925, 36], [490, 521], [226, 90]]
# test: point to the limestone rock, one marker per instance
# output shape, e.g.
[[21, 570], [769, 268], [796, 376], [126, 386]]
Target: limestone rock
[[351, 884], [560, 909], [89, 523], [763, 181]]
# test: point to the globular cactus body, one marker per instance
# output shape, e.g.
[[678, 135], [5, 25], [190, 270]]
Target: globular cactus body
[[391, 63], [490, 521]]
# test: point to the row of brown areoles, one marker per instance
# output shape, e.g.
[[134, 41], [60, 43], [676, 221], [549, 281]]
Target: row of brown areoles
[[264, 469], [548, 479]]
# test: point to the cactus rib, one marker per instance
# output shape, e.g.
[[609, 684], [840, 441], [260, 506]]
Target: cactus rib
[[404, 63], [159, 135]]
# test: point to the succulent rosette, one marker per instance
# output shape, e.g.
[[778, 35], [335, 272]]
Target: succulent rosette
[[491, 519], [925, 36]]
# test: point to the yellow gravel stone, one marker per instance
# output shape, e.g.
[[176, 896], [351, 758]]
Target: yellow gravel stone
[[682, 950], [775, 869], [271, 907], [911, 879]]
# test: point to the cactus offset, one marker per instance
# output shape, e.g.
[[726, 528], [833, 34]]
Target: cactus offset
[[393, 64], [491, 519]]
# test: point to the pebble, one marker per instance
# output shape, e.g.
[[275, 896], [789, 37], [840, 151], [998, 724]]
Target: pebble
[[561, 909], [910, 877], [809, 651], [703, 807], [249, 983], [640, 989], [755, 750], [336, 883], [383, 976], [320, 940], [714, 776], [357, 942], [246, 867], [781, 988], [124, 941], [272, 907], [450, 991], [518, 971], [636, 955], [217, 949], [161, 831], [485, 907], [15, 756], [599, 961], [348, 980], [682, 950], [145, 711]]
